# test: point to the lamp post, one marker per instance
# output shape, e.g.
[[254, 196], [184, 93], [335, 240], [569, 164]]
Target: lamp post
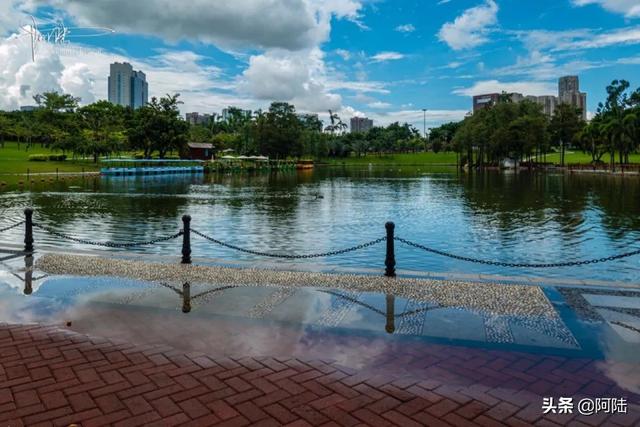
[[424, 123]]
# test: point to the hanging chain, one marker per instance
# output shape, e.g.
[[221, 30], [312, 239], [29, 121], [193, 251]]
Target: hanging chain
[[108, 244], [18, 224], [518, 265], [286, 256]]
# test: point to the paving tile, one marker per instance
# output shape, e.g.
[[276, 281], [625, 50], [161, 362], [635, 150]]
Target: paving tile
[[61, 378]]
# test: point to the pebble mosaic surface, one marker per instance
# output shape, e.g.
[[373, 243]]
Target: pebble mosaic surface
[[518, 300]]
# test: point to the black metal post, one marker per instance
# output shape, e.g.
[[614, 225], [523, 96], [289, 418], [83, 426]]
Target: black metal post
[[390, 260], [186, 239], [186, 297], [28, 230]]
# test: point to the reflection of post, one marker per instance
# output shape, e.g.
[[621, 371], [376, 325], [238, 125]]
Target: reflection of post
[[391, 313], [186, 298], [28, 230], [28, 274]]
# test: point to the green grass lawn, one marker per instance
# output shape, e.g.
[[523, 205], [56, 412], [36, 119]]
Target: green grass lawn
[[580, 157], [429, 158], [449, 158], [14, 160]]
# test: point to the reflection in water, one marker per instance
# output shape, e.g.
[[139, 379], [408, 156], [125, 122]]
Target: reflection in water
[[27, 280], [313, 322], [517, 217]]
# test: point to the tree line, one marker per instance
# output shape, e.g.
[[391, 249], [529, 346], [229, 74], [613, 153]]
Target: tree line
[[523, 132], [157, 129], [98, 129], [515, 130]]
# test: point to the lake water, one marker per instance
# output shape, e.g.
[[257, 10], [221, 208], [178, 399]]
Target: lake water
[[511, 217]]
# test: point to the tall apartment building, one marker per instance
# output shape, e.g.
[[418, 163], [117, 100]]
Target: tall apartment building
[[569, 93], [361, 124], [549, 103], [198, 119], [485, 101], [127, 87], [226, 113]]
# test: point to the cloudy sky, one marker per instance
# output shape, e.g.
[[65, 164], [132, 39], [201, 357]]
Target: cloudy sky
[[386, 59]]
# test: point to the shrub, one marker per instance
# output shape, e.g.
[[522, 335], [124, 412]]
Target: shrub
[[58, 157], [38, 158], [139, 156]]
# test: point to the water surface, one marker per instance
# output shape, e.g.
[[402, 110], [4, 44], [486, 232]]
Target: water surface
[[512, 217]]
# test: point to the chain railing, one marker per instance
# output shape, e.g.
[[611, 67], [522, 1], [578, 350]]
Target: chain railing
[[108, 244], [17, 224], [289, 256], [516, 264], [390, 239]]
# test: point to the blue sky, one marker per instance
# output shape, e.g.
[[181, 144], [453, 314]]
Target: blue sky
[[384, 59]]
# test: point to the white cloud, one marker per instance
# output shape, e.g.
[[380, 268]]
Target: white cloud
[[406, 28], [536, 88], [287, 24], [542, 66], [344, 54], [572, 40], [21, 78], [623, 36], [296, 77], [471, 28], [83, 73], [387, 56], [295, 71], [13, 13], [379, 105], [358, 86], [78, 80], [629, 8]]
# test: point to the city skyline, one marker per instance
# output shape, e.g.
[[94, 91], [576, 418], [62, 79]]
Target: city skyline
[[361, 58], [568, 93]]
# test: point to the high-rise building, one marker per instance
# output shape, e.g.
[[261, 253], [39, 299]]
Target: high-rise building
[[361, 124], [549, 104], [569, 93], [485, 101], [226, 113], [127, 87], [198, 119]]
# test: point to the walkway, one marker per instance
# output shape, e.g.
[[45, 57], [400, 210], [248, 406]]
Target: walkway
[[52, 376]]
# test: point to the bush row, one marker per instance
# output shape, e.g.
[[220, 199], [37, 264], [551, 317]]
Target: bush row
[[45, 157]]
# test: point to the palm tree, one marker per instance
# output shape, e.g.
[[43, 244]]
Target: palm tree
[[614, 130], [337, 125], [631, 126]]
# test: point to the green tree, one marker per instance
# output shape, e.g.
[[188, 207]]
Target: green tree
[[278, 132], [103, 125], [159, 127], [565, 125]]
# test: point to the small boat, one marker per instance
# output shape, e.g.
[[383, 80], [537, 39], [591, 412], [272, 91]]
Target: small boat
[[304, 164]]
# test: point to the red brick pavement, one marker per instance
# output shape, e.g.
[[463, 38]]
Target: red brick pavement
[[53, 377]]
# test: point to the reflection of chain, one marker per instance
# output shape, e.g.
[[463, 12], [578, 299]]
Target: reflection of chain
[[519, 265], [109, 244], [18, 224], [287, 256]]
